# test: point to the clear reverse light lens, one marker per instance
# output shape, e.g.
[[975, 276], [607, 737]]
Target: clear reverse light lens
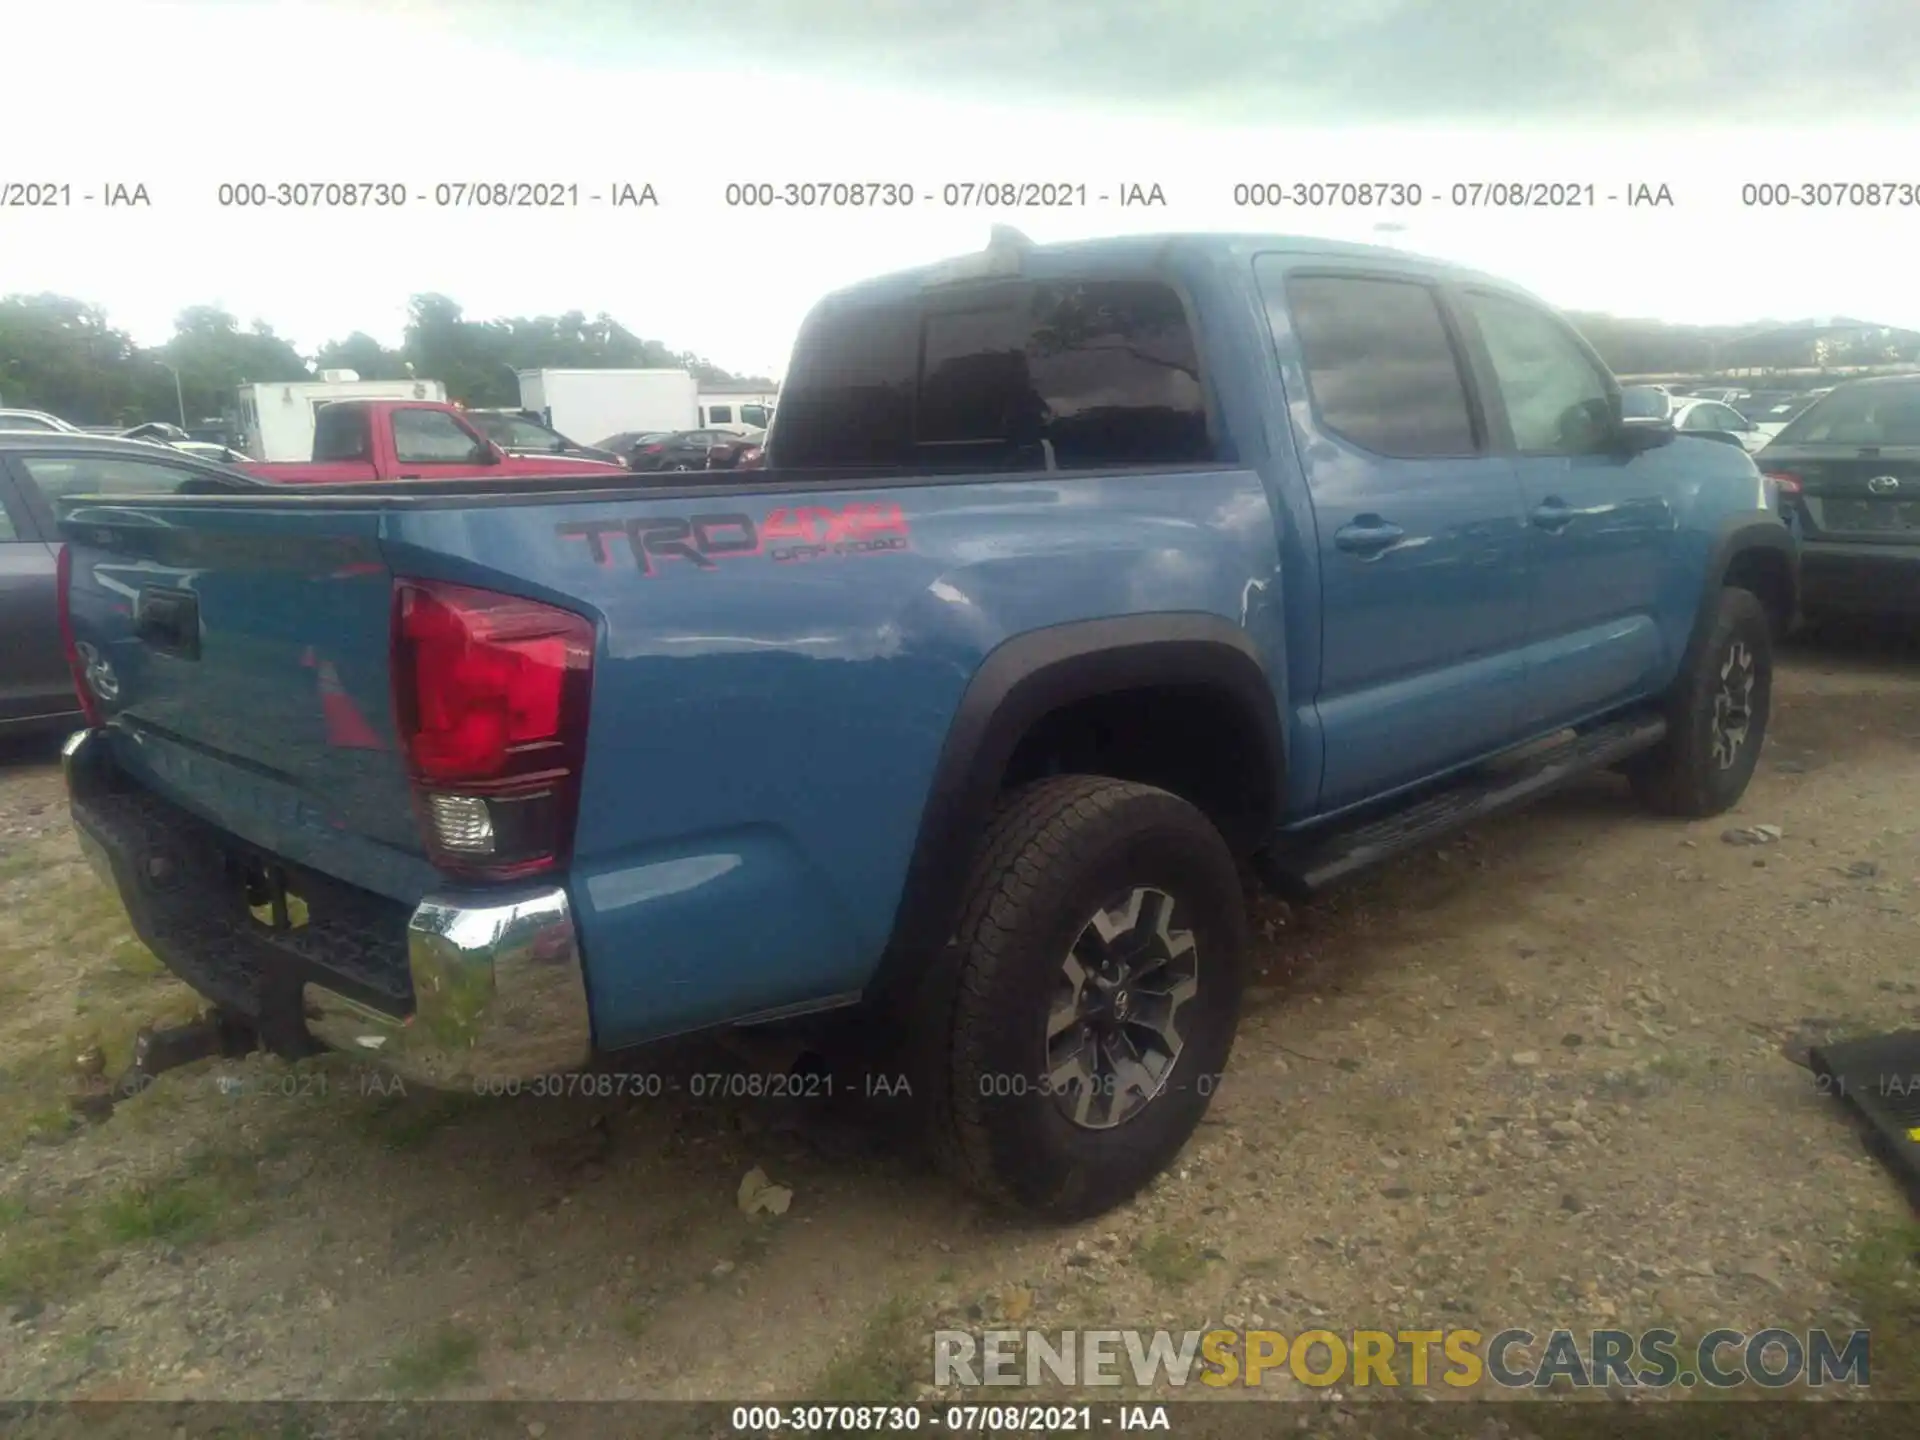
[[462, 823]]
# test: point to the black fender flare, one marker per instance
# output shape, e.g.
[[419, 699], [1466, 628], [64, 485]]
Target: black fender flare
[[1747, 533], [1019, 683]]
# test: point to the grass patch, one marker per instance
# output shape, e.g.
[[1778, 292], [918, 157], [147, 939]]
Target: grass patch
[[49, 1253], [15, 864], [41, 1257], [176, 1211], [1170, 1261], [634, 1320], [884, 1364], [130, 960], [449, 1355], [1670, 1066], [1883, 1278], [72, 931]]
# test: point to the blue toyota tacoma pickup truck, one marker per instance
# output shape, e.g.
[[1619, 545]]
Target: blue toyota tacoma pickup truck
[[1084, 583]]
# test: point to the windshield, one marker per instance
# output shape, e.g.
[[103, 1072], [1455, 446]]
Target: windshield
[[510, 432], [1860, 415]]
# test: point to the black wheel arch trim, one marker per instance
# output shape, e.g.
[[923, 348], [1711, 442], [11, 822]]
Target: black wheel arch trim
[[1738, 535], [1019, 683]]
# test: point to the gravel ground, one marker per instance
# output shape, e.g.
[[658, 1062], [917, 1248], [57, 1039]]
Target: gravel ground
[[1537, 1077]]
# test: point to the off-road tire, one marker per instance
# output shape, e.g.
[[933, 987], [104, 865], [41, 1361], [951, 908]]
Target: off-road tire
[[1681, 776], [1055, 853]]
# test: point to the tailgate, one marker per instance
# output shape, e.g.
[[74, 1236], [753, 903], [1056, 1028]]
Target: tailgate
[[240, 658]]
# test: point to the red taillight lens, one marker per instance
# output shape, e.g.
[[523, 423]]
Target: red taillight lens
[[77, 667], [1785, 482], [651, 449], [490, 695]]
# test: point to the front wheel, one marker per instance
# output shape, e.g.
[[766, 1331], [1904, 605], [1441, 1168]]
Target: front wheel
[[1716, 717], [1095, 996]]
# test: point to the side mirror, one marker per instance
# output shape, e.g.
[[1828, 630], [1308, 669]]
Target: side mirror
[[492, 454], [1636, 437]]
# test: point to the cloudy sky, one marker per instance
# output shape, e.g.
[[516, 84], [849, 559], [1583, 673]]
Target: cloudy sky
[[1195, 96]]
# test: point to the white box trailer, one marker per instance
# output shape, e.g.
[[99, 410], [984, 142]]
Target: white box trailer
[[275, 420], [589, 406]]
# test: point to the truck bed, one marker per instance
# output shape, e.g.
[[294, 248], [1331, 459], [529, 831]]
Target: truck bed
[[778, 660]]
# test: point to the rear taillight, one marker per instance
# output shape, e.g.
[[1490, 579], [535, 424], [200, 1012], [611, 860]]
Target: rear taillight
[[651, 449], [490, 695], [76, 665], [1783, 481]]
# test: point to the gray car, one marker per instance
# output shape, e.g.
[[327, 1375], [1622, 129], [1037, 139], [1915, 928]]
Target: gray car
[[36, 469]]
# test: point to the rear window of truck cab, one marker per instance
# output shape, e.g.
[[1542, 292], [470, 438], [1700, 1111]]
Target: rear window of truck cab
[[1002, 376]]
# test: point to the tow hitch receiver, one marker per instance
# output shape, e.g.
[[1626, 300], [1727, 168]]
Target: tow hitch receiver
[[215, 1034]]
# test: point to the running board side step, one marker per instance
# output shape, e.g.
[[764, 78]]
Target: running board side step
[[1300, 866]]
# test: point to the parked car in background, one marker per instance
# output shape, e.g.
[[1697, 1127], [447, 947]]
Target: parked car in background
[[1847, 469], [694, 450], [36, 420], [158, 430], [527, 435], [361, 440], [38, 469], [205, 450], [1773, 415], [1716, 421], [628, 441]]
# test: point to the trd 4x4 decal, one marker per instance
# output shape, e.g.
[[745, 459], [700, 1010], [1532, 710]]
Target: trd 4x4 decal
[[787, 536]]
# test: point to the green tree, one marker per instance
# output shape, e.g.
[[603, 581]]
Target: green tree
[[213, 355], [59, 354], [363, 355]]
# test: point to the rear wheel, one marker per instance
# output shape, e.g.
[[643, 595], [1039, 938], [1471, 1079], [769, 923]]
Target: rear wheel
[[1717, 717], [1092, 999]]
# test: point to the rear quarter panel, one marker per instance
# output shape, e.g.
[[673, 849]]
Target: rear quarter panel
[[766, 726]]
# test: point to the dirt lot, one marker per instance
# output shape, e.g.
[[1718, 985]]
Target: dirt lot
[[1534, 1078]]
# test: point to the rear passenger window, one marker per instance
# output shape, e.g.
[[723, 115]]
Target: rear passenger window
[[1015, 376], [95, 475], [340, 435], [1380, 365]]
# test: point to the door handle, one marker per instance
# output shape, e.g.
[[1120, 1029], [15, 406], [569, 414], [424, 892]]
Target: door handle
[[1553, 515], [1367, 536]]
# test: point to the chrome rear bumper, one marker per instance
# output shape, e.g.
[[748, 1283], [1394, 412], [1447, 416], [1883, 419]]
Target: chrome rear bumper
[[499, 995]]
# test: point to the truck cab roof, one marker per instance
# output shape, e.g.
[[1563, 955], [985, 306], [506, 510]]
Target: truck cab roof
[[1009, 256]]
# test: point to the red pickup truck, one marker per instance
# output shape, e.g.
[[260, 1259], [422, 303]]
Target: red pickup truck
[[359, 440]]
